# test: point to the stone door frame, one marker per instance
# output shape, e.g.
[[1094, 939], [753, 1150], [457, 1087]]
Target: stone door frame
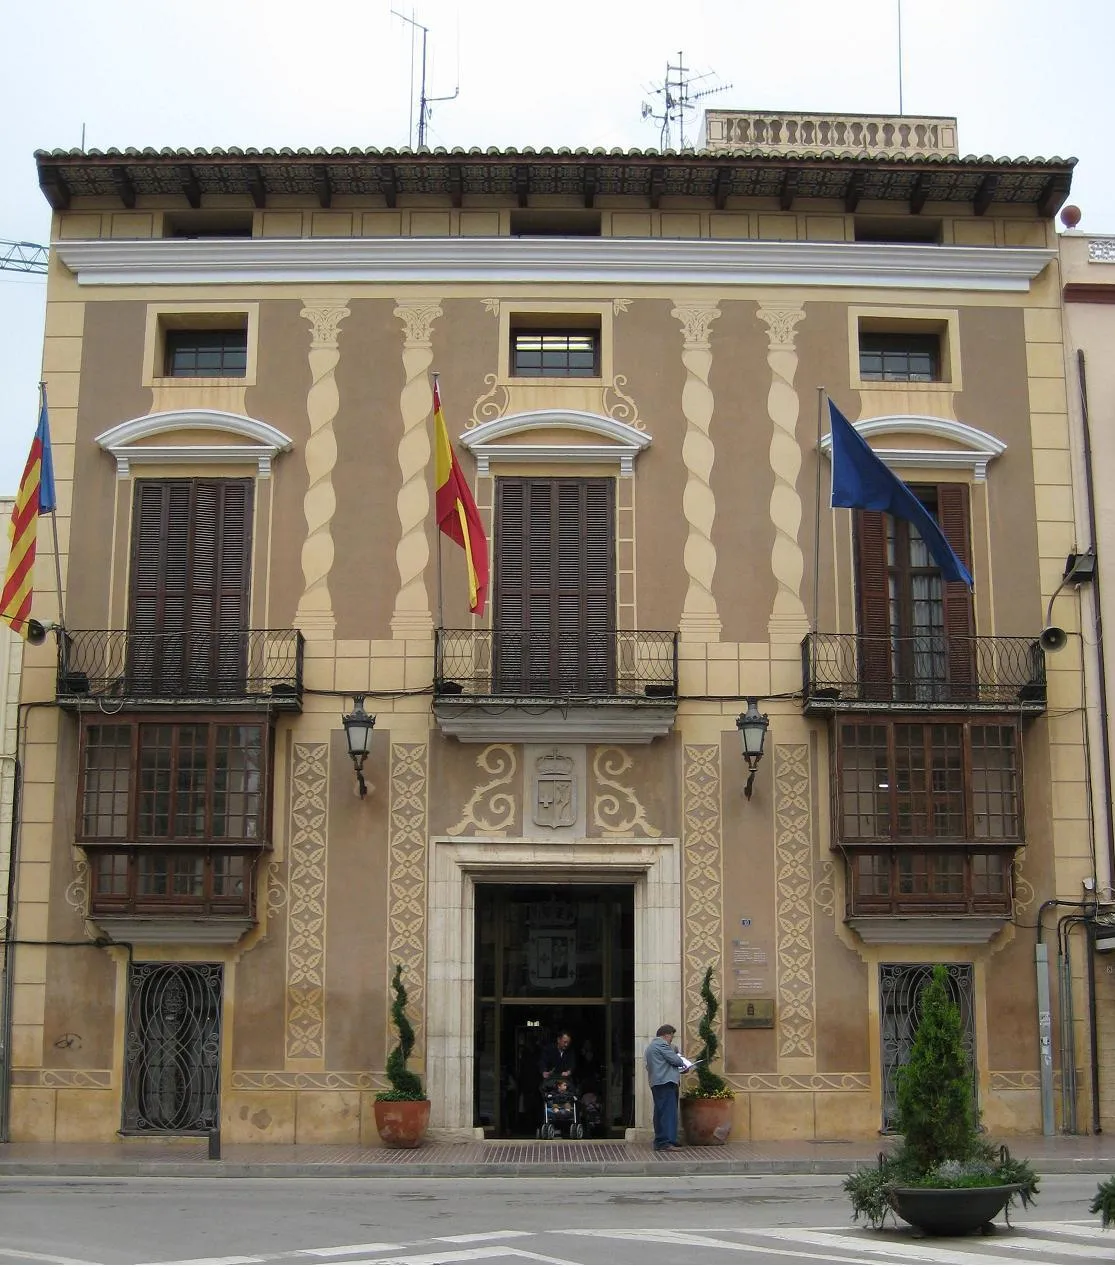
[[457, 864]]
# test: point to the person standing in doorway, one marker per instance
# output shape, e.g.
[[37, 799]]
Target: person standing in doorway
[[665, 1065]]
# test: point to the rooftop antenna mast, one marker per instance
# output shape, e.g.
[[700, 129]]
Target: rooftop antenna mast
[[678, 101], [424, 102]]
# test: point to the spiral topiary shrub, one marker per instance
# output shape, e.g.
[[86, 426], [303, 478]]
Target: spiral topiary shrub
[[405, 1083]]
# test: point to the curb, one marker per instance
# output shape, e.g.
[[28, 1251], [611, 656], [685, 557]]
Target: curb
[[494, 1170]]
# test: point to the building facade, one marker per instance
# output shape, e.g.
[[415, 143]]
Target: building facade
[[1088, 277], [552, 831]]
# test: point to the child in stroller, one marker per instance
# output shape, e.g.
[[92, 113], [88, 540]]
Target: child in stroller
[[560, 1110]]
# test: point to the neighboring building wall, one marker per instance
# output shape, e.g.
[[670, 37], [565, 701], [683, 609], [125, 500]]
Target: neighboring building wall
[[1088, 273], [715, 531]]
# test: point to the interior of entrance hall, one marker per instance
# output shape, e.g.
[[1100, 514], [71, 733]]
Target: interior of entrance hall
[[553, 958]]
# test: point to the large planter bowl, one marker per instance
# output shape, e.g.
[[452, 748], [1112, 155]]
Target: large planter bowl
[[402, 1123], [951, 1211], [706, 1121]]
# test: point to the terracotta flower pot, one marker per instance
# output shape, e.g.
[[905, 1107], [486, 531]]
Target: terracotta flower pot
[[402, 1123], [706, 1121]]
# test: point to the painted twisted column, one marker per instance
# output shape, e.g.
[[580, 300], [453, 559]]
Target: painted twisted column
[[700, 621], [788, 621], [314, 615], [412, 618]]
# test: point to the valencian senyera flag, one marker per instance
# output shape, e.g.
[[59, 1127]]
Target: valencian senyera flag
[[35, 497], [863, 481], [456, 511]]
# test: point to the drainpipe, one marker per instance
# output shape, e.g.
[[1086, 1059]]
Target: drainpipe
[[1093, 1028]]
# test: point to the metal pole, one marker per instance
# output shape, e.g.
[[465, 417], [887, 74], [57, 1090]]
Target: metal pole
[[817, 514], [1045, 1038]]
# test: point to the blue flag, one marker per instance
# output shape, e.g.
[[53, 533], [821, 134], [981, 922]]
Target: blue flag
[[863, 481], [47, 500]]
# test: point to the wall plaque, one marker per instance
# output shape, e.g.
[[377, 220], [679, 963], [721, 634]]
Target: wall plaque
[[751, 1014]]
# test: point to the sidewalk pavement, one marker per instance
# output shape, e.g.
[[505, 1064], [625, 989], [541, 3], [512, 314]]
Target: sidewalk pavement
[[189, 1158]]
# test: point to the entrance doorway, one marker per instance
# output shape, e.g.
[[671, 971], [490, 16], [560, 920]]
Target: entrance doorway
[[551, 958]]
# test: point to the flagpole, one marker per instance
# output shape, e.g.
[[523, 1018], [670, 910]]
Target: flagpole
[[817, 515], [437, 526], [54, 527]]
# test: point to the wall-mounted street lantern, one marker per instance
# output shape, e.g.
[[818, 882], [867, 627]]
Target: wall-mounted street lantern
[[358, 732], [752, 727]]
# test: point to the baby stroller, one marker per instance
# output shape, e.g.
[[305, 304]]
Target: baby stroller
[[591, 1112], [560, 1111]]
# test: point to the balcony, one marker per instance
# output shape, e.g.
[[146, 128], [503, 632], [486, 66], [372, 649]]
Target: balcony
[[511, 685], [252, 669], [935, 674]]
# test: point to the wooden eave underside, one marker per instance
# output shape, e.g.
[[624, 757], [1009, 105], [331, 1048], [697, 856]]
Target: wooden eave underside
[[320, 176]]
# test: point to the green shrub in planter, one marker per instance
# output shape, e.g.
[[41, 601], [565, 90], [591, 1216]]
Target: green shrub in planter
[[405, 1084], [709, 1085], [1103, 1203], [941, 1145]]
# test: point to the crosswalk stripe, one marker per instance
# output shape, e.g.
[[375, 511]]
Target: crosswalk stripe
[[879, 1246], [341, 1251], [467, 1237], [694, 1241], [22, 1254], [1086, 1231], [484, 1253], [1046, 1246]]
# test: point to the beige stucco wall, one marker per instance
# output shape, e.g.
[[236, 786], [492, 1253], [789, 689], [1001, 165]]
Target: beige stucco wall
[[718, 534]]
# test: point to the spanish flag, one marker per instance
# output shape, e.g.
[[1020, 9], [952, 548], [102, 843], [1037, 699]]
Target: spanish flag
[[35, 496], [457, 515]]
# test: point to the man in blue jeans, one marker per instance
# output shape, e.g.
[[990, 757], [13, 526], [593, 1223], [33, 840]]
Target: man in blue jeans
[[665, 1066]]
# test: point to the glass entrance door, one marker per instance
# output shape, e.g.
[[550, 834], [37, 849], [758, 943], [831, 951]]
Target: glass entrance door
[[552, 959]]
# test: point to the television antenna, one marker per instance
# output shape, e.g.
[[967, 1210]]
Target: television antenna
[[424, 102], [678, 101]]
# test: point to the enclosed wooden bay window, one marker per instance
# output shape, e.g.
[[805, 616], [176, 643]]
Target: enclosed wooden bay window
[[173, 813], [928, 813]]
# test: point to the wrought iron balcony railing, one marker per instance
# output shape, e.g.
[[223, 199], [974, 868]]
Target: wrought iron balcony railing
[[624, 664], [846, 672], [222, 666]]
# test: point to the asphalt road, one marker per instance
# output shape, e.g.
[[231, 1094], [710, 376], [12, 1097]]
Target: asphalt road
[[721, 1219]]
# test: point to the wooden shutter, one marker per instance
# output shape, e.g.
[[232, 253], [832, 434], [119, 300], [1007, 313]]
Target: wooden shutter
[[191, 556], [873, 586], [960, 625], [555, 586]]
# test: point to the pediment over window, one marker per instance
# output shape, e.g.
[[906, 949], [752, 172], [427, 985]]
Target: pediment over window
[[556, 436], [192, 436], [921, 441]]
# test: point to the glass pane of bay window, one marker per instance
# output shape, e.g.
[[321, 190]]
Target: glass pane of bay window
[[237, 782], [152, 874], [994, 783], [989, 874], [106, 781], [191, 781], [153, 810], [865, 784], [228, 875], [947, 755], [910, 782], [111, 875]]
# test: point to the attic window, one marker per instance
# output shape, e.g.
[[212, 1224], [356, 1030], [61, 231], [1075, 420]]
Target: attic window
[[897, 229], [534, 223], [207, 224]]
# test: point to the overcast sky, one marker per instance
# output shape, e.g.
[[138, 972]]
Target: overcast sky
[[1023, 77]]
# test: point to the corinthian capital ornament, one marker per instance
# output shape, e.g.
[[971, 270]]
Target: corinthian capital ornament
[[781, 321], [418, 316]]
